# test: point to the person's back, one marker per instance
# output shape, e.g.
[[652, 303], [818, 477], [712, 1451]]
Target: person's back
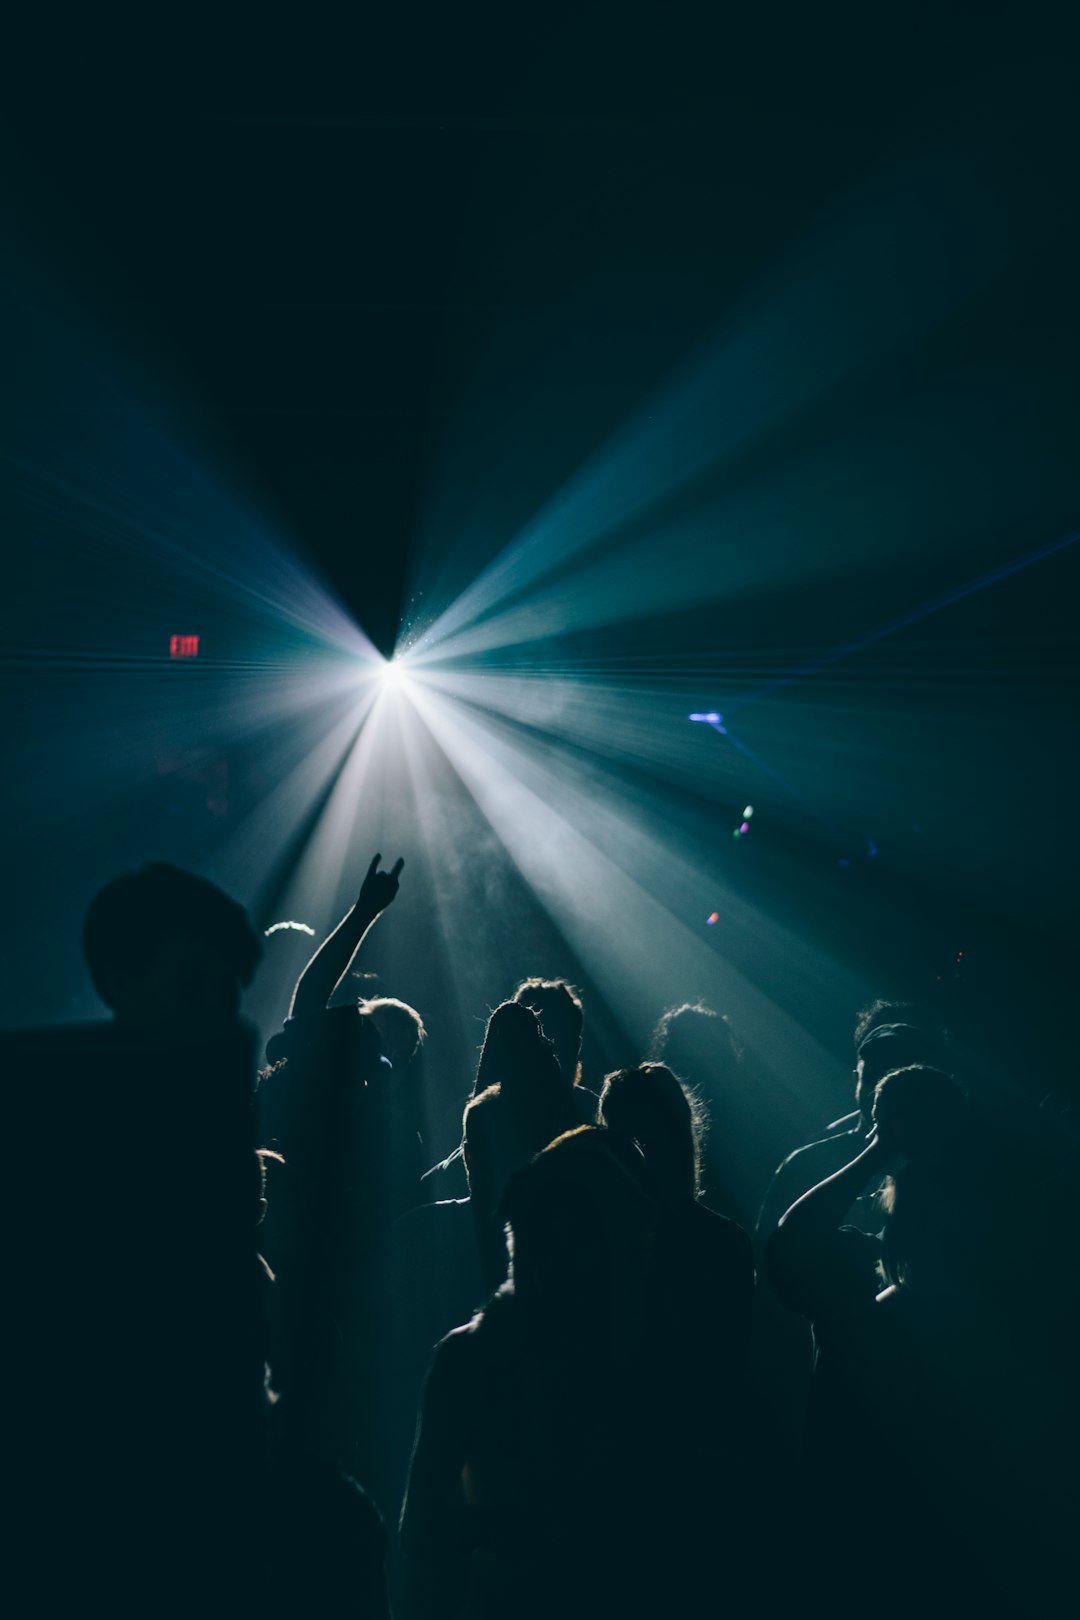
[[326, 1233], [397, 1104], [701, 1293], [535, 1490], [546, 1459], [705, 1268], [522, 1101], [135, 1371], [705, 1274]]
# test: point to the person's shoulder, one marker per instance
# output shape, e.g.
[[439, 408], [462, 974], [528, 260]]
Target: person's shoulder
[[334, 1495], [456, 1363], [436, 1209], [841, 1146], [458, 1344], [428, 1232], [449, 1353]]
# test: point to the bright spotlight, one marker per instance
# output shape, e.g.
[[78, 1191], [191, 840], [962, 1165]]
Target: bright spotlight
[[392, 675]]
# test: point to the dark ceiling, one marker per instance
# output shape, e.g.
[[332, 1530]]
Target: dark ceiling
[[312, 229]]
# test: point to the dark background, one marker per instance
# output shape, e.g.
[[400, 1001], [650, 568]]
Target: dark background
[[319, 230]]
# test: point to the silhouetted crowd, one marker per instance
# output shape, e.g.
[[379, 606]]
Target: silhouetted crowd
[[263, 1356]]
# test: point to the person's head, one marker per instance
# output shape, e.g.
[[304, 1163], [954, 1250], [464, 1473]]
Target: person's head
[[698, 1044], [516, 1054], [165, 947], [889, 1046], [512, 1119], [918, 1110], [664, 1118], [558, 1006], [581, 1220], [339, 1041], [932, 1225], [400, 1027], [885, 1011]]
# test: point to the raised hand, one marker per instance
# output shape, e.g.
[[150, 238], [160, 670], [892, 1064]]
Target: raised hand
[[378, 888]]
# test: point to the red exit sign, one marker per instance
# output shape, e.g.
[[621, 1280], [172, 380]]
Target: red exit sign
[[183, 646]]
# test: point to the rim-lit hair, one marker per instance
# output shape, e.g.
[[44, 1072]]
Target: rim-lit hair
[[516, 1052], [931, 1225], [135, 915], [693, 1033], [667, 1120], [400, 1026], [558, 1005], [580, 1215], [883, 1011]]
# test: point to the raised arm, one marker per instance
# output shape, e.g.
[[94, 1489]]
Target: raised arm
[[823, 1208], [808, 1265], [334, 956]]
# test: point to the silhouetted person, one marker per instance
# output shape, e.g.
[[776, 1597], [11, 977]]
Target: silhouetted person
[[922, 1378], [167, 950], [533, 1490], [326, 1230], [398, 1102], [449, 1255], [875, 1015], [133, 1355], [560, 1015], [783, 1343], [561, 1012], [522, 1101], [698, 1044], [335, 956], [325, 1058], [702, 1291], [325, 1236], [706, 1264], [401, 1029], [319, 1545], [172, 1077], [882, 1043], [693, 1036]]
